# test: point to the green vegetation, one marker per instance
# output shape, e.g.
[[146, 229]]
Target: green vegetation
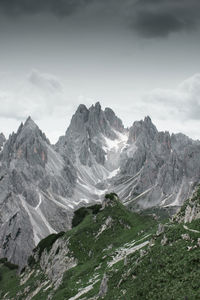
[[48, 242], [9, 280], [111, 196], [104, 240], [82, 212], [94, 247], [166, 272]]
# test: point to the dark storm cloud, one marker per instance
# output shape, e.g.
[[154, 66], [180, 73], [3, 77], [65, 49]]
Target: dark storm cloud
[[159, 18], [56, 7], [151, 24], [149, 18]]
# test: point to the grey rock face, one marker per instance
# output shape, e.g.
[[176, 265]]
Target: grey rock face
[[104, 286], [185, 236], [143, 166], [164, 240], [85, 136], [163, 169], [160, 230], [35, 189], [57, 261], [192, 212]]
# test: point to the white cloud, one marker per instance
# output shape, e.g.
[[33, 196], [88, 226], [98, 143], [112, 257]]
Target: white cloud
[[51, 105], [45, 82], [41, 96], [176, 110]]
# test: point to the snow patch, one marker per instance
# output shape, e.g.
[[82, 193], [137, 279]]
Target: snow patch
[[113, 173], [116, 144]]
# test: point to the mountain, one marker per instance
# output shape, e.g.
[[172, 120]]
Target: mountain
[[93, 143], [112, 253], [34, 183], [146, 168], [41, 185]]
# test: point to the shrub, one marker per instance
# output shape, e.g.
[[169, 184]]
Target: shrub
[[8, 264], [111, 196], [48, 242], [79, 216], [81, 213], [31, 261]]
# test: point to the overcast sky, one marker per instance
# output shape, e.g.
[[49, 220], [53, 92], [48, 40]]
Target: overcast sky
[[139, 57]]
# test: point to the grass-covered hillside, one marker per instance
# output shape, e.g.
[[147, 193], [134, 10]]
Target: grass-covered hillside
[[112, 253]]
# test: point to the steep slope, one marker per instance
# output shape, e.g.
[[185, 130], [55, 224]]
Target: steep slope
[[157, 169], [112, 253], [93, 142], [34, 182], [69, 265], [146, 168]]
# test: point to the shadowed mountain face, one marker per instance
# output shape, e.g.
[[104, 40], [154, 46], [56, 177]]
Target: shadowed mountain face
[[41, 185]]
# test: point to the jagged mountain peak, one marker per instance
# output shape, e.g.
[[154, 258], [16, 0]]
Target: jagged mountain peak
[[30, 123], [96, 107], [94, 121], [28, 130], [147, 120], [81, 109], [92, 133], [26, 143], [113, 119], [143, 128]]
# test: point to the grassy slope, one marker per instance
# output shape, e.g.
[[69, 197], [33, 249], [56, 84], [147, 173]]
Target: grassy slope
[[8, 279], [90, 250], [165, 272], [171, 271]]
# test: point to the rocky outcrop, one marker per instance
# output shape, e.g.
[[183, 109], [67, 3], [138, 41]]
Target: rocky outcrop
[[56, 261], [190, 211], [160, 230], [104, 286]]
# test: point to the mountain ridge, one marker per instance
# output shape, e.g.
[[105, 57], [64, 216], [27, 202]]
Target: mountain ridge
[[43, 184]]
